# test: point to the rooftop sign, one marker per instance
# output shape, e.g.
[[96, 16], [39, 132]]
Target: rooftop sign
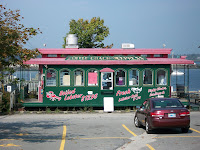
[[115, 57]]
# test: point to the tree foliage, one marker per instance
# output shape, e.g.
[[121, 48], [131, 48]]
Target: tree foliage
[[90, 33], [13, 37]]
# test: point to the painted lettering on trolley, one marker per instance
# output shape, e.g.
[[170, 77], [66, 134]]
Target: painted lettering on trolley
[[89, 97], [52, 96], [119, 93], [133, 96], [70, 95], [62, 93], [127, 92], [157, 91]]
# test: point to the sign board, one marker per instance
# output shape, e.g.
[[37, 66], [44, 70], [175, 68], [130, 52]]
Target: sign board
[[108, 104], [9, 89], [115, 57], [92, 78]]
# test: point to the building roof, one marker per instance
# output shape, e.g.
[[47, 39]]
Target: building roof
[[63, 61], [87, 52], [104, 51]]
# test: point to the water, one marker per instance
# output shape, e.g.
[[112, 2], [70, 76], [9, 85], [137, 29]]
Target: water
[[194, 78], [197, 62], [27, 75]]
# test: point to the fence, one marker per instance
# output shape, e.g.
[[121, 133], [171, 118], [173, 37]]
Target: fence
[[32, 86], [13, 97]]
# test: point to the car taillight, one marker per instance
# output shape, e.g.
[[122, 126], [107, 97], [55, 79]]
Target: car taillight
[[156, 114], [186, 113]]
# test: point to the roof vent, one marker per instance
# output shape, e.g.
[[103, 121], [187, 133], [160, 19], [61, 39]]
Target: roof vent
[[128, 46], [71, 41]]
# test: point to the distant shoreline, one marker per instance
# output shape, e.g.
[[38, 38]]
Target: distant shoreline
[[197, 66]]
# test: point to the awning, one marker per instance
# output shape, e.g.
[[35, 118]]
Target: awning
[[107, 70]]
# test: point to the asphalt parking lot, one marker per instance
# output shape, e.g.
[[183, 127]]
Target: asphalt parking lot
[[91, 131]]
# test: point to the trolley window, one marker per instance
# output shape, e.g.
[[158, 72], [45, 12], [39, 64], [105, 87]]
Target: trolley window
[[107, 81], [133, 77], [120, 77], [65, 77], [51, 77], [147, 77], [78, 78], [161, 77]]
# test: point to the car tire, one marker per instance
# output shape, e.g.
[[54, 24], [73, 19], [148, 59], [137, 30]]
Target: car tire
[[148, 130], [185, 130], [137, 122]]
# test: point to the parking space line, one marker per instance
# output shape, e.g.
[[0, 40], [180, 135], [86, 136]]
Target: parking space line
[[129, 130], [96, 138], [194, 130], [62, 145], [10, 145], [150, 147], [77, 138], [21, 134], [174, 136]]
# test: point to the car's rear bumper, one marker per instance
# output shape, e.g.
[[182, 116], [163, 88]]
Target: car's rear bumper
[[170, 123]]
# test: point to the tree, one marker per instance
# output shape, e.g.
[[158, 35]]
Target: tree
[[90, 34], [13, 37]]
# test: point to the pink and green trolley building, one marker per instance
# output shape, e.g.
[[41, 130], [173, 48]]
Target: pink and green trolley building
[[77, 77]]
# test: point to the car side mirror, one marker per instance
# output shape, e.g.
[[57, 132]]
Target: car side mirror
[[142, 108]]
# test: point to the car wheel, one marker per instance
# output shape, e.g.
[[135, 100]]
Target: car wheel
[[137, 122], [148, 130], [185, 130]]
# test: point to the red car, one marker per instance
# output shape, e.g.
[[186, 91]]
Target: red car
[[162, 113]]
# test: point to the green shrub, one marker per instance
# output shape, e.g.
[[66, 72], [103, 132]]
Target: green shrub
[[90, 109], [5, 104], [57, 110], [48, 110]]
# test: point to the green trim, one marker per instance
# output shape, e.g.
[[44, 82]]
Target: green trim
[[107, 92]]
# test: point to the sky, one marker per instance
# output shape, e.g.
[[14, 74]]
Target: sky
[[145, 23]]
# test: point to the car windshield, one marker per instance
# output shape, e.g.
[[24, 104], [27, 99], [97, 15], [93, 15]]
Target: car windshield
[[167, 103]]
